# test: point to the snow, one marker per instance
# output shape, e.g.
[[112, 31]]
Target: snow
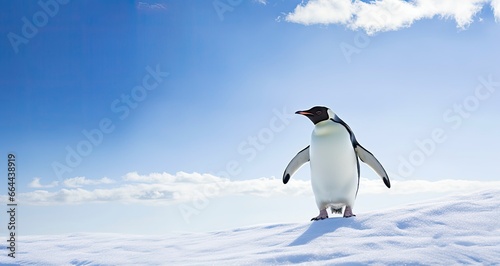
[[454, 230]]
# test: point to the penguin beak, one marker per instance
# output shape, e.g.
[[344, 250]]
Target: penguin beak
[[306, 113]]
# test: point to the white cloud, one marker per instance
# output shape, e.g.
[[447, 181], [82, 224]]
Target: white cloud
[[495, 6], [387, 15], [323, 12], [81, 181], [165, 188], [36, 184]]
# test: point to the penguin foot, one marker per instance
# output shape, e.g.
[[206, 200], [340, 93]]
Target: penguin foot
[[318, 218], [348, 212], [322, 215]]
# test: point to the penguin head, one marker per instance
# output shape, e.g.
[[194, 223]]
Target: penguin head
[[318, 114]]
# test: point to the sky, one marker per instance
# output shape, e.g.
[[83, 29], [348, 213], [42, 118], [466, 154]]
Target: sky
[[166, 116]]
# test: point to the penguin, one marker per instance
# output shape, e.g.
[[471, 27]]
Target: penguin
[[334, 155]]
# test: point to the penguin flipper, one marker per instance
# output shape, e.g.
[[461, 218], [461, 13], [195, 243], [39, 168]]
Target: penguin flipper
[[368, 158], [300, 159]]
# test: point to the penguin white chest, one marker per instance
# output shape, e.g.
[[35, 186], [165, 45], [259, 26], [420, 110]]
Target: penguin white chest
[[334, 170]]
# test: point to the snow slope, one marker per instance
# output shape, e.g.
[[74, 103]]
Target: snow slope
[[453, 230]]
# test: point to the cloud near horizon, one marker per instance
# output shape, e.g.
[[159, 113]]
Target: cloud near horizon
[[35, 183], [388, 15], [167, 189], [81, 181]]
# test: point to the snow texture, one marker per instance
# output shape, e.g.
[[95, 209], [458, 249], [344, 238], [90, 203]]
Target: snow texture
[[449, 231]]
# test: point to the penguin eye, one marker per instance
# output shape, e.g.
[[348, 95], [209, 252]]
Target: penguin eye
[[318, 112]]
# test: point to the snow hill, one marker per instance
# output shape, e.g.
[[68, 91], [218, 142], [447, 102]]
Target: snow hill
[[449, 231]]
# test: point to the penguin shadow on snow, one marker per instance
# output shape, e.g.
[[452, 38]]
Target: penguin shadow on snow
[[321, 227]]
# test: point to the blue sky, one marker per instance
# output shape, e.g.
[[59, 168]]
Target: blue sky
[[234, 75]]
